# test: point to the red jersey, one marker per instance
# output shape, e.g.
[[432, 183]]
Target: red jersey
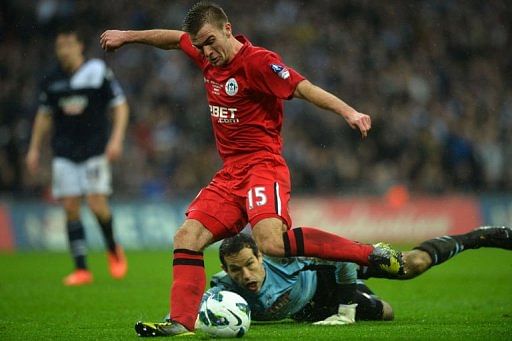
[[246, 98]]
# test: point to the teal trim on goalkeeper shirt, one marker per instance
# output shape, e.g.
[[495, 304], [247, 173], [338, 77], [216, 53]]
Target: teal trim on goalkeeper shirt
[[286, 288]]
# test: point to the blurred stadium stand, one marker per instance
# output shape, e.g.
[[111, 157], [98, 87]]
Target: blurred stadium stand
[[435, 76]]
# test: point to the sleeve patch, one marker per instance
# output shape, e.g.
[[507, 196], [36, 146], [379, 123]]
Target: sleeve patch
[[280, 70]]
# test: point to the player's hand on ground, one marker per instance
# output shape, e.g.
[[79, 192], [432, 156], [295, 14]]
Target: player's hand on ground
[[113, 150], [360, 121], [346, 315], [32, 161], [111, 40]]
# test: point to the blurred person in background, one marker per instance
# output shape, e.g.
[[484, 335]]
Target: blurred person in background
[[75, 103]]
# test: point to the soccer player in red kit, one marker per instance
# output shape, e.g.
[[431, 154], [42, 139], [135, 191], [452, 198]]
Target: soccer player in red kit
[[245, 86]]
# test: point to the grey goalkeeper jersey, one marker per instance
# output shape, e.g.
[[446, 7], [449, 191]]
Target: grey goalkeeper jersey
[[287, 288]]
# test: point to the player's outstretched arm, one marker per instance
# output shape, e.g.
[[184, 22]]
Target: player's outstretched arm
[[111, 40], [325, 100]]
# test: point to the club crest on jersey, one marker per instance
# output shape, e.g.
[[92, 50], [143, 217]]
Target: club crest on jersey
[[280, 70], [231, 87], [73, 105]]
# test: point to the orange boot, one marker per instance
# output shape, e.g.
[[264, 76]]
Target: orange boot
[[78, 277], [117, 263]]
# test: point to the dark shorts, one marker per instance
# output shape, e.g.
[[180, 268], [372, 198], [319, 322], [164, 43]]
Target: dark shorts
[[325, 302]]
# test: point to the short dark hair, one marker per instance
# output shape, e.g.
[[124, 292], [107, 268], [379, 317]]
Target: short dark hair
[[69, 29], [202, 13], [235, 244]]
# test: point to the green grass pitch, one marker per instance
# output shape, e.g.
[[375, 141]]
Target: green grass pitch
[[469, 297]]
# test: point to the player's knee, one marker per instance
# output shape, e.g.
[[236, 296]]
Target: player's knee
[[183, 238], [72, 208], [192, 236], [271, 247], [264, 243], [99, 206], [268, 235], [416, 262], [387, 312]]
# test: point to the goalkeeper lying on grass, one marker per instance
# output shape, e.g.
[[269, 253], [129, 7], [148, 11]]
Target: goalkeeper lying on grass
[[329, 293]]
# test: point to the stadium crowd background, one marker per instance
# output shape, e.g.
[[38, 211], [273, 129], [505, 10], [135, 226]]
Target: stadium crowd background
[[436, 76]]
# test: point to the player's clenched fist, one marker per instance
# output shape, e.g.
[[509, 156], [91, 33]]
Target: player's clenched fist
[[113, 39]]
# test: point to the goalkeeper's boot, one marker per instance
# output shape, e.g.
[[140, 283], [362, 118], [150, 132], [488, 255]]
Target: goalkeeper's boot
[[387, 259], [117, 263], [78, 277], [168, 328], [491, 236]]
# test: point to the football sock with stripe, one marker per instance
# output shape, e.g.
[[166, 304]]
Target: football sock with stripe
[[312, 242], [108, 233], [439, 249], [443, 248], [189, 282], [77, 245]]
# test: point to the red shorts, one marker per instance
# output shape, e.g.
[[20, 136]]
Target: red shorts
[[245, 190]]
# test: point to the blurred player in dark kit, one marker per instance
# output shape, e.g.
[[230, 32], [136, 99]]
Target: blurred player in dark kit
[[75, 103]]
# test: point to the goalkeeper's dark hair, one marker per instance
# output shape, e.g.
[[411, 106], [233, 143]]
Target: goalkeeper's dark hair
[[204, 12], [235, 244]]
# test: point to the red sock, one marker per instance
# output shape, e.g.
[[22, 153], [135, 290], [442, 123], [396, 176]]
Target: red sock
[[189, 281], [312, 242]]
